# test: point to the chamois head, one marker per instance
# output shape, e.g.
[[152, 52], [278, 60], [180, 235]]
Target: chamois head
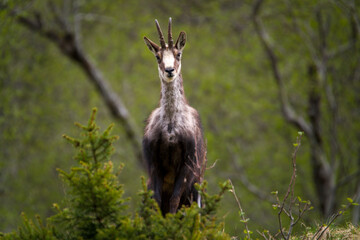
[[168, 55]]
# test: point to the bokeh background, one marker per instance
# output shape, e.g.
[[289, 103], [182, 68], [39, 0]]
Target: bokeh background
[[257, 71]]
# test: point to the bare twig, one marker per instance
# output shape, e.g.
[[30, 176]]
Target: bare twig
[[290, 192], [242, 213], [212, 165], [268, 237]]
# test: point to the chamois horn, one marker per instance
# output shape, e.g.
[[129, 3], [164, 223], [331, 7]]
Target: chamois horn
[[161, 35], [170, 38]]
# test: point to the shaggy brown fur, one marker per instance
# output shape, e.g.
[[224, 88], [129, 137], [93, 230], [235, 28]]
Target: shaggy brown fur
[[173, 143]]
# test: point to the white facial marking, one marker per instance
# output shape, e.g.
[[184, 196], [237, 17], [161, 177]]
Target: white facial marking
[[168, 60]]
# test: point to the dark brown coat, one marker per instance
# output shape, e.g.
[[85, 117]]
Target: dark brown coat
[[175, 155], [173, 143]]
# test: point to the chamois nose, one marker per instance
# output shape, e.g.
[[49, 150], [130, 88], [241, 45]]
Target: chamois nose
[[169, 70]]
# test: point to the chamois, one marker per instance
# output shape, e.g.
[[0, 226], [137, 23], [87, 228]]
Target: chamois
[[173, 142]]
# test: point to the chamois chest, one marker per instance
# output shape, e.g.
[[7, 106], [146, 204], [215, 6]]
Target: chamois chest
[[172, 128], [172, 140]]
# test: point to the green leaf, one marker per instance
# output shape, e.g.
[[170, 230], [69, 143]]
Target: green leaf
[[245, 220], [247, 232]]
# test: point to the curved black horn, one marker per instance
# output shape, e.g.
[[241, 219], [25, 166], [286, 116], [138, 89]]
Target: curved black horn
[[170, 38], [161, 35]]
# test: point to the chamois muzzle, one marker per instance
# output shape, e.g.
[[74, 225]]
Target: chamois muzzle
[[169, 71]]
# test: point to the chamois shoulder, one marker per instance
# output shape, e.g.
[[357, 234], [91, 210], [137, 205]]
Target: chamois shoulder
[[195, 114], [152, 121]]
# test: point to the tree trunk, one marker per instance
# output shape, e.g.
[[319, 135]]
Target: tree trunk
[[323, 173]]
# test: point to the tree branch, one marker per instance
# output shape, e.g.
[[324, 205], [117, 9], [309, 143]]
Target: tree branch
[[67, 42], [323, 172], [287, 110]]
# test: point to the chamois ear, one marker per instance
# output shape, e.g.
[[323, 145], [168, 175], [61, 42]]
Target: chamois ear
[[180, 42], [153, 47]]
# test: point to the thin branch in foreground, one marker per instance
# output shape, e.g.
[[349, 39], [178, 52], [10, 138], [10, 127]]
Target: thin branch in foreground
[[289, 201], [212, 165], [242, 213], [290, 191]]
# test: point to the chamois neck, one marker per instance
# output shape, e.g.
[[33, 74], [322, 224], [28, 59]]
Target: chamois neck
[[172, 99]]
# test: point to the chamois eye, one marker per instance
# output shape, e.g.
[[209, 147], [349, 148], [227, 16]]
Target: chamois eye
[[158, 57], [178, 55]]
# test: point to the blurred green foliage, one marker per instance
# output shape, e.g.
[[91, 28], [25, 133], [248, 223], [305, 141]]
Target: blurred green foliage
[[227, 78]]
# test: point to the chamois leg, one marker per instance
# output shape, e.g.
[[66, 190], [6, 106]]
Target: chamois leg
[[156, 187], [155, 182], [190, 195], [184, 183], [196, 196], [179, 188], [165, 204]]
